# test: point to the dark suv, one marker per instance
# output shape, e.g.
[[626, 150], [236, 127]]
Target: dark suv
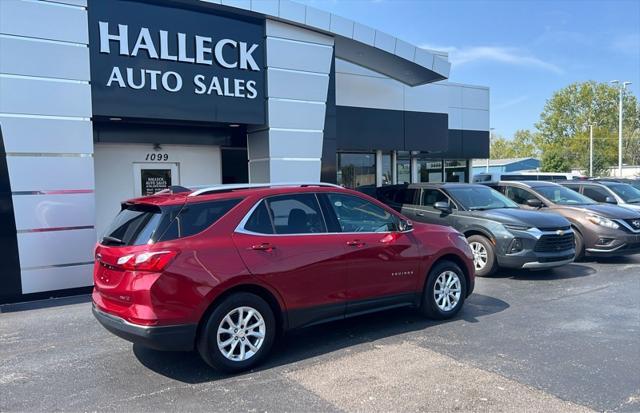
[[601, 229], [224, 269], [500, 234]]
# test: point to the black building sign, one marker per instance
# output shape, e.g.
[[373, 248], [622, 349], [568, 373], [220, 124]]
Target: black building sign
[[156, 62], [154, 180]]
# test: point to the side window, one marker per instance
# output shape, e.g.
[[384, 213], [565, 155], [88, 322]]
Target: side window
[[595, 193], [296, 214], [405, 196], [431, 196], [573, 187], [260, 221], [518, 195], [192, 218], [358, 215]]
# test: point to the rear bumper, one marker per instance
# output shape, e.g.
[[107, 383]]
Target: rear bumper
[[169, 338]]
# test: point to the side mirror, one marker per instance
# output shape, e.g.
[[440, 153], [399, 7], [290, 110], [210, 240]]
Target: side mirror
[[405, 225], [534, 203], [444, 207], [610, 200]]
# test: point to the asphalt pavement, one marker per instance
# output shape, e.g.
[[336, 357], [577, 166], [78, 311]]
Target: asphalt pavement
[[556, 340]]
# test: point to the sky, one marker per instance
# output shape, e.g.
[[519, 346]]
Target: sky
[[522, 50]]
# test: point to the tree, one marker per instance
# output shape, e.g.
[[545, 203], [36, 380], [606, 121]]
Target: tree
[[564, 126], [553, 160], [522, 145]]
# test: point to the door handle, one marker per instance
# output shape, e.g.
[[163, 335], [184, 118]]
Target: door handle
[[265, 246], [355, 243], [420, 214]]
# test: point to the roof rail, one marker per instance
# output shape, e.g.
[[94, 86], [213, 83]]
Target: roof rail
[[232, 187]]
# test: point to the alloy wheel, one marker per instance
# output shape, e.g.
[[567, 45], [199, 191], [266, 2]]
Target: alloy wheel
[[241, 333], [447, 290], [480, 255]]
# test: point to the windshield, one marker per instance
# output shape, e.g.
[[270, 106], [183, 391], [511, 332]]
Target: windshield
[[476, 198], [627, 193], [563, 196]]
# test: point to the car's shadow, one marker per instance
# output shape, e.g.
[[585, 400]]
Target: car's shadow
[[573, 270], [314, 341]]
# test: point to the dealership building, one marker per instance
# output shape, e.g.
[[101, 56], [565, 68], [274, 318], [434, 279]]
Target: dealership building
[[101, 101]]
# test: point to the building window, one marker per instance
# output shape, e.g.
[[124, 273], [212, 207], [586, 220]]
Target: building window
[[430, 170], [403, 167], [387, 169], [455, 170], [356, 169]]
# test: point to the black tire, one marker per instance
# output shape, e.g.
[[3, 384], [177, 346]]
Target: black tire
[[207, 343], [492, 264], [579, 245], [429, 307]]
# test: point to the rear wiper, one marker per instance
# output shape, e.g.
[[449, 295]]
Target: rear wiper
[[113, 240]]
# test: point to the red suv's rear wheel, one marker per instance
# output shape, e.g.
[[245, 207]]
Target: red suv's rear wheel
[[238, 333]]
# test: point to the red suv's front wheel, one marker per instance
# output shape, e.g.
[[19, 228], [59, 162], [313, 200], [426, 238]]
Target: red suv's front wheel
[[238, 333]]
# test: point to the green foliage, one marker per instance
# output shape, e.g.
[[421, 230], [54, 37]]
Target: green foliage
[[523, 145], [564, 127], [553, 160]]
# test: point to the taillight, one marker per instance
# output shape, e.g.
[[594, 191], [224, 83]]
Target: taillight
[[153, 261]]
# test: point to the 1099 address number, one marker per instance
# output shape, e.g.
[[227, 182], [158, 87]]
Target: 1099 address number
[[157, 157]]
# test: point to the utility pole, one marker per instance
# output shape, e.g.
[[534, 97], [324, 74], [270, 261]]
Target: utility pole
[[591, 151], [621, 88]]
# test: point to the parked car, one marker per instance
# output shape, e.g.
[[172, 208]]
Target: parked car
[[488, 177], [224, 269], [631, 181], [600, 229], [616, 193], [500, 234]]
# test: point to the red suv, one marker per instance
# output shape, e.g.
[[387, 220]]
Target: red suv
[[225, 269]]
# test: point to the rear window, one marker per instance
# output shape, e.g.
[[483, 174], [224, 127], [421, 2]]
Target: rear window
[[145, 224]]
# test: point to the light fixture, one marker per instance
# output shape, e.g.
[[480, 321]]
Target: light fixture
[[234, 125], [116, 119]]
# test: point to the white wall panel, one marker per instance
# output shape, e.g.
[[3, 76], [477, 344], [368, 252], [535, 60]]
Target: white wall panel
[[41, 135], [48, 279], [319, 19], [259, 171], [39, 58], [295, 144], [368, 92], [307, 170], [385, 42], [342, 66], [427, 98], [39, 249], [296, 114], [293, 11], [364, 34], [405, 50], [342, 26], [287, 54], [475, 98], [44, 20], [39, 173], [297, 85], [474, 119], [43, 97], [423, 58], [287, 31], [455, 118], [54, 211], [455, 94], [269, 7]]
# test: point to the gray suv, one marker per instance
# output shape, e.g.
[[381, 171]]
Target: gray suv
[[500, 234]]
